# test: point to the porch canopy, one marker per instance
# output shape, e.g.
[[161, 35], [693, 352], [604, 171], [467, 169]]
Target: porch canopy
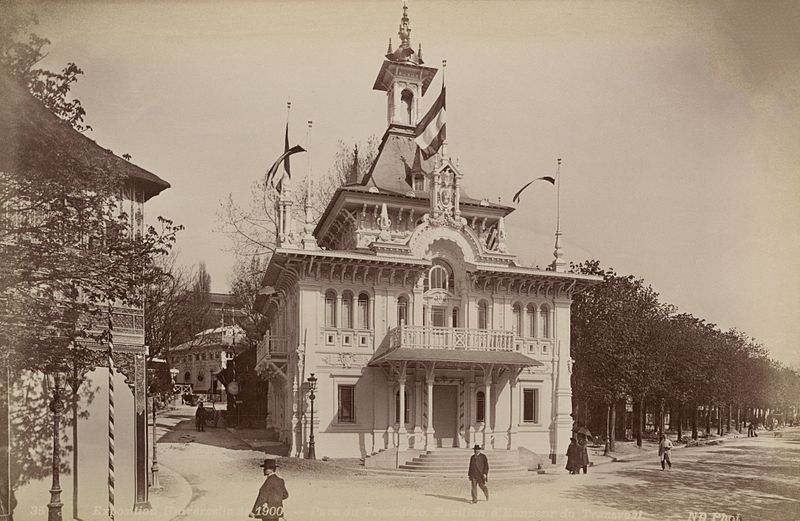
[[453, 357]]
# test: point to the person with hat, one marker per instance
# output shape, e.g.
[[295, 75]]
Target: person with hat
[[269, 503], [478, 473]]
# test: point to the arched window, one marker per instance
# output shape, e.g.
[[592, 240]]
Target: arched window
[[363, 311], [347, 310], [546, 322], [397, 407], [440, 276], [531, 312], [483, 315], [407, 100], [455, 317], [330, 308], [516, 320], [187, 376], [402, 310], [480, 406]]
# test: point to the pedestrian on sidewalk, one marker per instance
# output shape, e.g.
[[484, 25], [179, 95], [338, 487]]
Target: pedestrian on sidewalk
[[584, 453], [478, 473], [269, 503], [200, 418], [664, 448], [573, 456]]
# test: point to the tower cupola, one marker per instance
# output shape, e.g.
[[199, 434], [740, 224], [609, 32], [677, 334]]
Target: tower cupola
[[403, 77]]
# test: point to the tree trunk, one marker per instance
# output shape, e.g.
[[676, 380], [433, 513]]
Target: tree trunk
[[613, 437], [638, 412], [738, 418], [694, 421], [730, 417], [718, 416], [708, 419], [607, 448], [673, 417], [679, 419]]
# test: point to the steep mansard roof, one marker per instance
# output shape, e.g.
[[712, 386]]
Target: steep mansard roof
[[34, 138]]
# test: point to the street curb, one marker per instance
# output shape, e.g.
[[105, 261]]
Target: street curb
[[164, 502]]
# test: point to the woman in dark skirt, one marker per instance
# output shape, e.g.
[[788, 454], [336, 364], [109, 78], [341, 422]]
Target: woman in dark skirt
[[573, 456]]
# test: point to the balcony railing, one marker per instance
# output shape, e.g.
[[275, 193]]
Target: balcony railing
[[430, 337], [272, 347]]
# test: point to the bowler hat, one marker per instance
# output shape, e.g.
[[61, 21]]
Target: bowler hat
[[269, 463], [476, 447]]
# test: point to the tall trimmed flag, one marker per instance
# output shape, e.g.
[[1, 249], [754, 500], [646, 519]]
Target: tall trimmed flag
[[277, 182], [549, 179], [431, 132]]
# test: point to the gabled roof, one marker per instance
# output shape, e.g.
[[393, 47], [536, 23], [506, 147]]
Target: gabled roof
[[34, 138]]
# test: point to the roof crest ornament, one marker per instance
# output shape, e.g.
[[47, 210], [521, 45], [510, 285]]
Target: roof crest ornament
[[405, 30]]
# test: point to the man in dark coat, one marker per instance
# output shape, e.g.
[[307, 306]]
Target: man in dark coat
[[478, 473], [269, 503], [200, 417]]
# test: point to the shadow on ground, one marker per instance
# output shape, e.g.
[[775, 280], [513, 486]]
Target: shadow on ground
[[755, 482]]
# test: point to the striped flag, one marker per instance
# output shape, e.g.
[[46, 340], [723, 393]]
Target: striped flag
[[492, 237], [431, 132]]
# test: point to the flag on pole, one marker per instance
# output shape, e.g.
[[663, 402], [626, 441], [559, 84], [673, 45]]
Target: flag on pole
[[431, 132], [492, 237], [549, 179], [284, 158]]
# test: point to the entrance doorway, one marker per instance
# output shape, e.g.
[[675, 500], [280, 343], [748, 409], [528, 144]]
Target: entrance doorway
[[445, 413]]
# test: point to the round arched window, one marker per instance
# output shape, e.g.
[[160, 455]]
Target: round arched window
[[440, 276], [187, 376]]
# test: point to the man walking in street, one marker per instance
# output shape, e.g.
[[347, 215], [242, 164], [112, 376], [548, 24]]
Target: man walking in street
[[200, 418], [269, 503], [478, 473], [664, 448]]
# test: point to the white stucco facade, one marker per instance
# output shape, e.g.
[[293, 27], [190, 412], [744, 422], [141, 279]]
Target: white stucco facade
[[422, 329]]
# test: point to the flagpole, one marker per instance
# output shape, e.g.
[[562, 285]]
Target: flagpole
[[444, 143], [558, 197], [559, 264]]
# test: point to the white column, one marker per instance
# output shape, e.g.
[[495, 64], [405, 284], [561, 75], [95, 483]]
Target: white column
[[514, 400], [429, 440], [390, 413], [560, 332], [402, 433]]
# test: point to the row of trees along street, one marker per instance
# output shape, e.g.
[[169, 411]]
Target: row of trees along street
[[628, 346]]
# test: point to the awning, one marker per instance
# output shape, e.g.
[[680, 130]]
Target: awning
[[454, 357]]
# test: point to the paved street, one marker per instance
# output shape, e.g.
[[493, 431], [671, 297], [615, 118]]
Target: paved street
[[755, 478]]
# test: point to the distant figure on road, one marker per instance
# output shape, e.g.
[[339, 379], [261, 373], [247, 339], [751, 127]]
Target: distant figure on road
[[478, 473], [584, 453], [664, 448], [200, 418], [573, 456], [269, 503], [751, 431]]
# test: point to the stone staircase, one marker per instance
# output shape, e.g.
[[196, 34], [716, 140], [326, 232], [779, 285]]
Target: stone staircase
[[455, 462]]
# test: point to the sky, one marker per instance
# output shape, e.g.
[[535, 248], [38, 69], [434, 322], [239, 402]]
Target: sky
[[678, 123]]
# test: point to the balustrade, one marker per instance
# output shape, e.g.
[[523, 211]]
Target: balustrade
[[431, 337]]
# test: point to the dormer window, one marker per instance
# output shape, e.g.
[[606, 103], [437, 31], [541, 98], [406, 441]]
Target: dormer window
[[418, 182]]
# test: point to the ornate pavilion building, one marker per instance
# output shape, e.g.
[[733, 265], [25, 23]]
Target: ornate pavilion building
[[423, 330]]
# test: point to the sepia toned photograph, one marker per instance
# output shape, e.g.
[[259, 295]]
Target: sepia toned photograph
[[399, 260]]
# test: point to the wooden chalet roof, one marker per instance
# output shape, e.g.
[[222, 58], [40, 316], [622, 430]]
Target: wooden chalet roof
[[33, 138]]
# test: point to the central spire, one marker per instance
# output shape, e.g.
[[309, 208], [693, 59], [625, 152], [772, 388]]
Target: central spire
[[405, 29]]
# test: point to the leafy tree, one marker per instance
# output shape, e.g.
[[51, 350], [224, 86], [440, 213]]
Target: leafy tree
[[252, 227]]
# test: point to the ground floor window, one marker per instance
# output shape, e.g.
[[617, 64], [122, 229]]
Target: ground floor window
[[530, 405], [347, 404], [480, 406]]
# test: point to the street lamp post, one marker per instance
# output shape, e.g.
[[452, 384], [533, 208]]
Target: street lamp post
[[155, 485], [57, 406], [312, 386]]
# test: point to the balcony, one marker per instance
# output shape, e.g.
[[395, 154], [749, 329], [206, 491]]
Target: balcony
[[431, 337], [272, 347]]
